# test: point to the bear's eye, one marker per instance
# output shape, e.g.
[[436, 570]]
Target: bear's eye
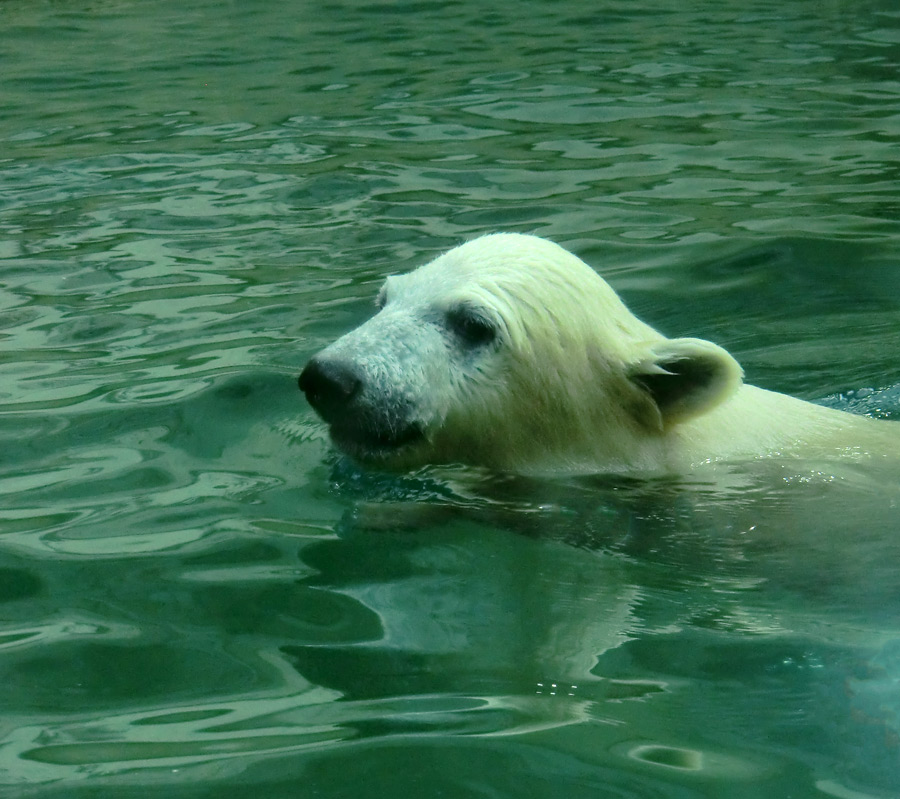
[[471, 326]]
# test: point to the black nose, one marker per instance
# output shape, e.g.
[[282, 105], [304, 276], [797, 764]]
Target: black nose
[[329, 386]]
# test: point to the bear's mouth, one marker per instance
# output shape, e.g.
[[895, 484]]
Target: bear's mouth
[[366, 444]]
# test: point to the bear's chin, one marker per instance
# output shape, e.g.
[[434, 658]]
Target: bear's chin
[[383, 448]]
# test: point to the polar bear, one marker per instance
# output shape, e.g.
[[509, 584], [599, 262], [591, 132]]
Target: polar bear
[[509, 352]]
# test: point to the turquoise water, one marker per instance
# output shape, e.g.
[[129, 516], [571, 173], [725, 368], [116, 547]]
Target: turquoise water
[[199, 598]]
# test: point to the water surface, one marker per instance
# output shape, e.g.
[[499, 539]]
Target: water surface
[[199, 598]]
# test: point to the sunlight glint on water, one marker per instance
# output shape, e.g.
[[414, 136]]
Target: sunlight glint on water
[[198, 597]]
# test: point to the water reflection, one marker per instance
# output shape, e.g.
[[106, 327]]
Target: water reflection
[[196, 599]]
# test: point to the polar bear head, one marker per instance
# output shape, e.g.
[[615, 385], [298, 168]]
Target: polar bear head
[[510, 352]]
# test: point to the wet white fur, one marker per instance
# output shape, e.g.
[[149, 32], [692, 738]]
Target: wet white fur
[[564, 387]]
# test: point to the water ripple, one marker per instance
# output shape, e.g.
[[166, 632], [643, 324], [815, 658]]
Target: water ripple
[[198, 596]]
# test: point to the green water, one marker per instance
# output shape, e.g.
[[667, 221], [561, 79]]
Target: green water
[[198, 598]]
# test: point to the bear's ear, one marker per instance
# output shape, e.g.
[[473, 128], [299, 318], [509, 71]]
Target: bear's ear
[[684, 378]]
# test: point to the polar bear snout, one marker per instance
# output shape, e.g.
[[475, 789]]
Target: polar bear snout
[[370, 423], [329, 387]]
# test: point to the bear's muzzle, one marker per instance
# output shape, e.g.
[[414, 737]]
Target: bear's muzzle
[[362, 428]]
